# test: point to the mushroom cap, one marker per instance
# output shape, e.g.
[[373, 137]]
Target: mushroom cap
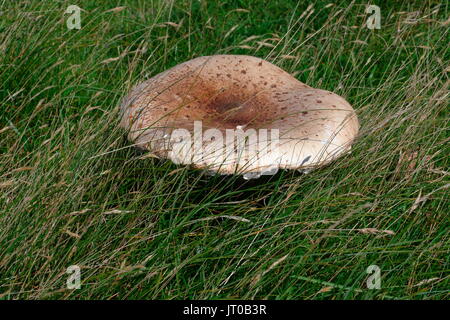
[[185, 113]]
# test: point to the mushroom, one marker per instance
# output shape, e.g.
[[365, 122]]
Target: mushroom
[[237, 114]]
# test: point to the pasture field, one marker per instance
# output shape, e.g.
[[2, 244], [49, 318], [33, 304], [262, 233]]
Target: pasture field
[[74, 192]]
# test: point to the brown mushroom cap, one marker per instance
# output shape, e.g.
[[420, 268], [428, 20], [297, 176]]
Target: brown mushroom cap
[[235, 91]]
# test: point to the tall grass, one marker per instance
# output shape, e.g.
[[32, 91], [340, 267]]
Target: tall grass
[[73, 191]]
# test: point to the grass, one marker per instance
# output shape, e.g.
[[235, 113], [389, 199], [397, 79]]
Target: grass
[[72, 191]]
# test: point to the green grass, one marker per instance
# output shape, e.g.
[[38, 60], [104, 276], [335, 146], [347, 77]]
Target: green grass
[[73, 191]]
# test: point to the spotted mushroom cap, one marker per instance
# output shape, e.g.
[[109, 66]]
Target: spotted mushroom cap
[[185, 113]]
